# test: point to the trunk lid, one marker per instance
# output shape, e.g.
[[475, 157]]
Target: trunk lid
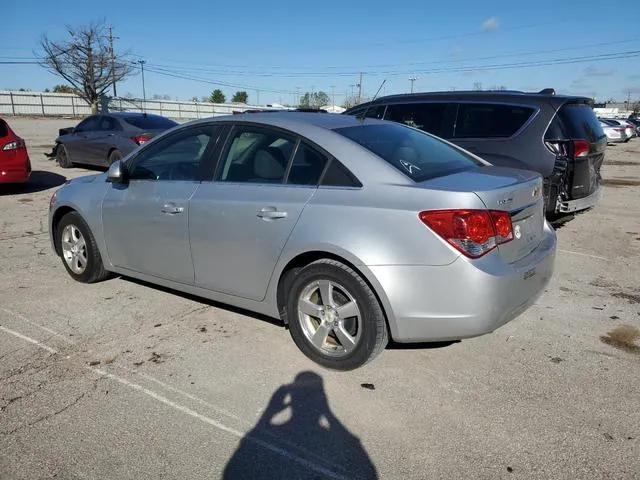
[[518, 192]]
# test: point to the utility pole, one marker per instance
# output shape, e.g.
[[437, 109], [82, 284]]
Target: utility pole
[[360, 89], [297, 102], [144, 92], [257, 97], [412, 79], [113, 60], [333, 95]]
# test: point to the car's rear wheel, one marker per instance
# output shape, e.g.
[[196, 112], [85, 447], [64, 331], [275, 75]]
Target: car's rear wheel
[[63, 157], [114, 156], [79, 252], [335, 318]]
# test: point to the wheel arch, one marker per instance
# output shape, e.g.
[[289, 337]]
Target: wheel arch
[[55, 222], [286, 274]]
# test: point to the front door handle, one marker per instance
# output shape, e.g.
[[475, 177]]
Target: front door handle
[[271, 213], [171, 209]]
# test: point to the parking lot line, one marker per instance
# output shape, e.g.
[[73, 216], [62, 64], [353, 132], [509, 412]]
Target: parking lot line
[[41, 327], [192, 413], [582, 254]]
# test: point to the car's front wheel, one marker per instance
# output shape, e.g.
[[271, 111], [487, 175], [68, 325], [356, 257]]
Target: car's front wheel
[[62, 156], [335, 318], [78, 249]]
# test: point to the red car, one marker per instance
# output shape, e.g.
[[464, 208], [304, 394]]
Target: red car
[[15, 166]]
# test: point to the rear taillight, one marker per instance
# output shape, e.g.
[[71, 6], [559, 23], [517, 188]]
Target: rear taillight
[[14, 145], [140, 139], [580, 148], [472, 232]]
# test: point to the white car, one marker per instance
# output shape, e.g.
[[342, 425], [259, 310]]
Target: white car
[[615, 134], [629, 128]]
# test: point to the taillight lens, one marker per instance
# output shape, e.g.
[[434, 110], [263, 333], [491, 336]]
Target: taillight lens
[[472, 232], [140, 139], [580, 148], [14, 145]]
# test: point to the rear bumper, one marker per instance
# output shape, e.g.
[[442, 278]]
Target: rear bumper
[[581, 203], [15, 174], [465, 298]]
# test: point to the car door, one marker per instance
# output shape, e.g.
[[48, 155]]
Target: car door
[[100, 141], [240, 222], [76, 143], [146, 219]]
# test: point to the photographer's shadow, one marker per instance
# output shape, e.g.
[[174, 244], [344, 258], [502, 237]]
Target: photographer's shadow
[[299, 437]]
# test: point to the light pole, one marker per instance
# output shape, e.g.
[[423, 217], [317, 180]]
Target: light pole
[[144, 92], [412, 79]]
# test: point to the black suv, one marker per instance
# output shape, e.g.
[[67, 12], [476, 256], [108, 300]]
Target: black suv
[[558, 136]]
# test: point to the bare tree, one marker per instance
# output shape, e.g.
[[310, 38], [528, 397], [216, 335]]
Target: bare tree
[[86, 61]]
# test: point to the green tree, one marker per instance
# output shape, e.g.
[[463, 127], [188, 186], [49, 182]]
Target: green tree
[[314, 100], [86, 61], [217, 96], [63, 89], [240, 97]]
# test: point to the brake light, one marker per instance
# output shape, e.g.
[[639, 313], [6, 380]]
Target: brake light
[[472, 232], [14, 145], [580, 148], [140, 139]]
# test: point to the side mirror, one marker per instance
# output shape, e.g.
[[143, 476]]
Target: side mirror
[[117, 172]]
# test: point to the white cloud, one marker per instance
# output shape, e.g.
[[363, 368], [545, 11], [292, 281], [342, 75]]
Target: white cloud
[[490, 24]]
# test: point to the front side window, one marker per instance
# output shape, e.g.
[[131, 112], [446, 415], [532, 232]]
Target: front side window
[[176, 157], [256, 155], [89, 124], [416, 154], [490, 120], [429, 117]]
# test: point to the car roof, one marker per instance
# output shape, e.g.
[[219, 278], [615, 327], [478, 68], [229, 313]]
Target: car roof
[[286, 119], [132, 115], [485, 95]]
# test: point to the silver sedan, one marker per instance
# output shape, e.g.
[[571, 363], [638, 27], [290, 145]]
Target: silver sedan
[[351, 231]]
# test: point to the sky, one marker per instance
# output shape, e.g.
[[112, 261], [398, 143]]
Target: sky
[[278, 49]]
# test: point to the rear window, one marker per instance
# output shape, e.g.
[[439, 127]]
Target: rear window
[[425, 116], [575, 121], [480, 120], [150, 123], [414, 153]]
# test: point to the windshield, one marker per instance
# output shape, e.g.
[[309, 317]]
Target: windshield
[[416, 154], [150, 123]]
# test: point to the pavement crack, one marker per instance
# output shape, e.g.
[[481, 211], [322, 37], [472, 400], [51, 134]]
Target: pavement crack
[[52, 414]]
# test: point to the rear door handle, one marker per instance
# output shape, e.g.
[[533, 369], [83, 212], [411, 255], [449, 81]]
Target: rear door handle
[[171, 209], [271, 213]]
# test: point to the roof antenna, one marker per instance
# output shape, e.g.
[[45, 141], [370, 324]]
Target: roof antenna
[[361, 117]]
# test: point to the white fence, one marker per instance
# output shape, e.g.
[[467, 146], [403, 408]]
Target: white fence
[[69, 105]]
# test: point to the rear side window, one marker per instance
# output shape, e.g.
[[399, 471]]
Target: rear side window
[[306, 167], [414, 153], [150, 123], [3, 129], [374, 111], [337, 175], [429, 117], [480, 120], [575, 121]]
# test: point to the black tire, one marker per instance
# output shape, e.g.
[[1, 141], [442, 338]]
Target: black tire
[[94, 270], [114, 156], [372, 327], [62, 157]]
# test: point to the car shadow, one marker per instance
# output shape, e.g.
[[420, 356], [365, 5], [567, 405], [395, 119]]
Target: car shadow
[[298, 436], [420, 345], [205, 301], [39, 181]]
